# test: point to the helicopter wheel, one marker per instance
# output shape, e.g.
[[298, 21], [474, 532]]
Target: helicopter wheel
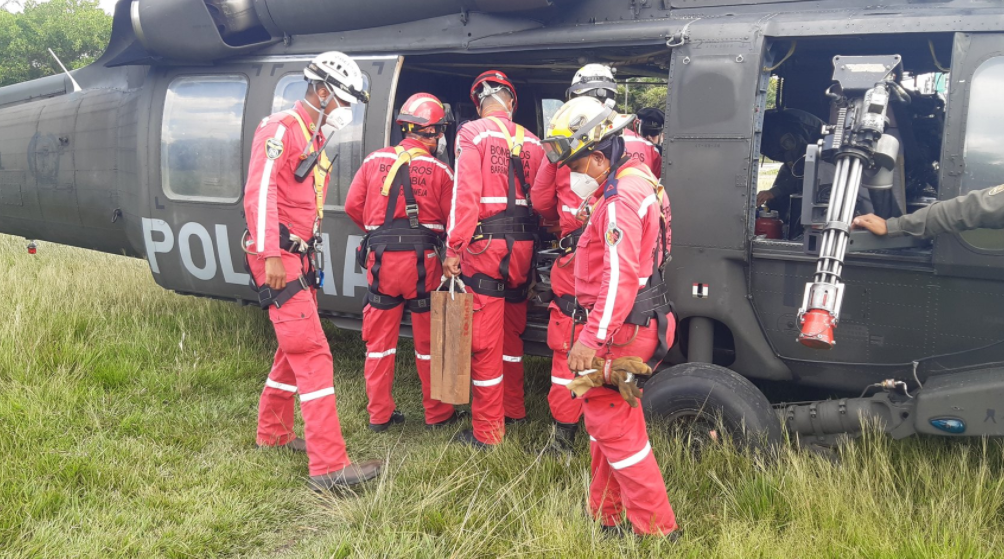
[[706, 405]]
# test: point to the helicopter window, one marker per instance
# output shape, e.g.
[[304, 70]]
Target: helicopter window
[[984, 137], [346, 144], [201, 138]]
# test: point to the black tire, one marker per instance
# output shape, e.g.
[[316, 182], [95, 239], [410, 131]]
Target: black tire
[[702, 399]]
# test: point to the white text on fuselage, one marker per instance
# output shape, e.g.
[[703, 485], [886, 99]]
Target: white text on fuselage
[[217, 255]]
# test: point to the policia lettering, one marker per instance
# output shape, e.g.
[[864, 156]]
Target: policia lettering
[[399, 235], [516, 223]]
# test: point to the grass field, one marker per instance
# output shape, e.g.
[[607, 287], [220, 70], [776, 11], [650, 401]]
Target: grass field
[[127, 419]]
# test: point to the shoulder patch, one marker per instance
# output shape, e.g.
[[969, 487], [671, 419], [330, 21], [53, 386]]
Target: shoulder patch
[[613, 235], [273, 148], [996, 190], [611, 188]]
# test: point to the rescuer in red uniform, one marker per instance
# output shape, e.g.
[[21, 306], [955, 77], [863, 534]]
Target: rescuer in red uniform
[[283, 202], [554, 199], [401, 196], [490, 244], [624, 303]]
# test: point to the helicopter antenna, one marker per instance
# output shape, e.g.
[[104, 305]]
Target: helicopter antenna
[[76, 86]]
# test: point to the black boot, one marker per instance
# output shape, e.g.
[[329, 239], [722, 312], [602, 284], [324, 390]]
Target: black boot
[[564, 439], [395, 418], [457, 417]]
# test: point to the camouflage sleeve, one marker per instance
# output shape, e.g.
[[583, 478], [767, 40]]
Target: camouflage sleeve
[[980, 209]]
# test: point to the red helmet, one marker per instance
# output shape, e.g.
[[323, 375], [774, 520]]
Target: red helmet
[[421, 110], [490, 82]]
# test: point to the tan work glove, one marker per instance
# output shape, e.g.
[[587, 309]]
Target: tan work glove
[[621, 372]]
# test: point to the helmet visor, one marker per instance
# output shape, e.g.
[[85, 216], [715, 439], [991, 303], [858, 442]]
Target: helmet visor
[[557, 149]]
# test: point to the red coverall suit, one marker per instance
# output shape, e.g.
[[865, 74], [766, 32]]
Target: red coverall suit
[[432, 185], [481, 191], [553, 199], [303, 361], [613, 260]]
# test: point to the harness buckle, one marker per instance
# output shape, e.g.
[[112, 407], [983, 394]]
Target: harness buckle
[[411, 210]]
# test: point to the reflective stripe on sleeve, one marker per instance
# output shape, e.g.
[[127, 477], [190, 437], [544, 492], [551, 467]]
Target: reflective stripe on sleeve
[[633, 459], [330, 391], [512, 358], [421, 357], [489, 382], [648, 201], [560, 381], [266, 178], [381, 354], [615, 277], [279, 386], [592, 439], [500, 200]]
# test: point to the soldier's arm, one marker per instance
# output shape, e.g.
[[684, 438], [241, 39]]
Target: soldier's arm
[[620, 232], [543, 194], [466, 201], [980, 209], [269, 153], [355, 200]]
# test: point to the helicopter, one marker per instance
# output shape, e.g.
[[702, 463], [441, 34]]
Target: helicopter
[[144, 153]]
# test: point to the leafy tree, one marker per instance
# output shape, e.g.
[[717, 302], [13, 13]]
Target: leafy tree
[[76, 30], [641, 92]]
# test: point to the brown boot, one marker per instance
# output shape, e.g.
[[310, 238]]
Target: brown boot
[[350, 475], [296, 445]]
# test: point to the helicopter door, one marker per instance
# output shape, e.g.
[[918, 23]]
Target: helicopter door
[[971, 157], [203, 121]]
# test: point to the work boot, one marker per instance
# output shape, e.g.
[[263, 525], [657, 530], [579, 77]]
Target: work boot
[[564, 439], [457, 417], [467, 437], [395, 418], [613, 531], [350, 475], [296, 445], [514, 421]]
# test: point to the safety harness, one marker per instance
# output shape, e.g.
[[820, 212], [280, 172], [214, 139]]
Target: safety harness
[[399, 235], [309, 251], [516, 223], [652, 300]]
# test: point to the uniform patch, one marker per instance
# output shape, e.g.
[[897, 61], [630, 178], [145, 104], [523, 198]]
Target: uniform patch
[[613, 235], [273, 148], [996, 190]]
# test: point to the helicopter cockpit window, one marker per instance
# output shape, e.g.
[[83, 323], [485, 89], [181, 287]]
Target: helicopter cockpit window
[[347, 143], [984, 159], [201, 138]]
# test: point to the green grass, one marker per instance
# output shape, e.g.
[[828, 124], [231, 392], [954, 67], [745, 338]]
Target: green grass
[[127, 418]]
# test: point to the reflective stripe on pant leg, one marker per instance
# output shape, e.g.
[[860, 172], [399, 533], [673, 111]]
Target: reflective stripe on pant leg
[[621, 434], [486, 369], [380, 330], [435, 411], [275, 407], [564, 408], [306, 349], [514, 324]]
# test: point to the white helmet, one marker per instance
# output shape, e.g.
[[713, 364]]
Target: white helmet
[[594, 80], [340, 73]]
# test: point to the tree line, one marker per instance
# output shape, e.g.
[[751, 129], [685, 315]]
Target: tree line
[[76, 30]]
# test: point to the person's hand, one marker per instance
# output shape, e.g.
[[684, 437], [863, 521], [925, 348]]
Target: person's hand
[[275, 273], [451, 266], [763, 197], [871, 222], [580, 358]]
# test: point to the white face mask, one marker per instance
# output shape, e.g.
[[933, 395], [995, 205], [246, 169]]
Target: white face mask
[[441, 148], [583, 185], [338, 119]]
